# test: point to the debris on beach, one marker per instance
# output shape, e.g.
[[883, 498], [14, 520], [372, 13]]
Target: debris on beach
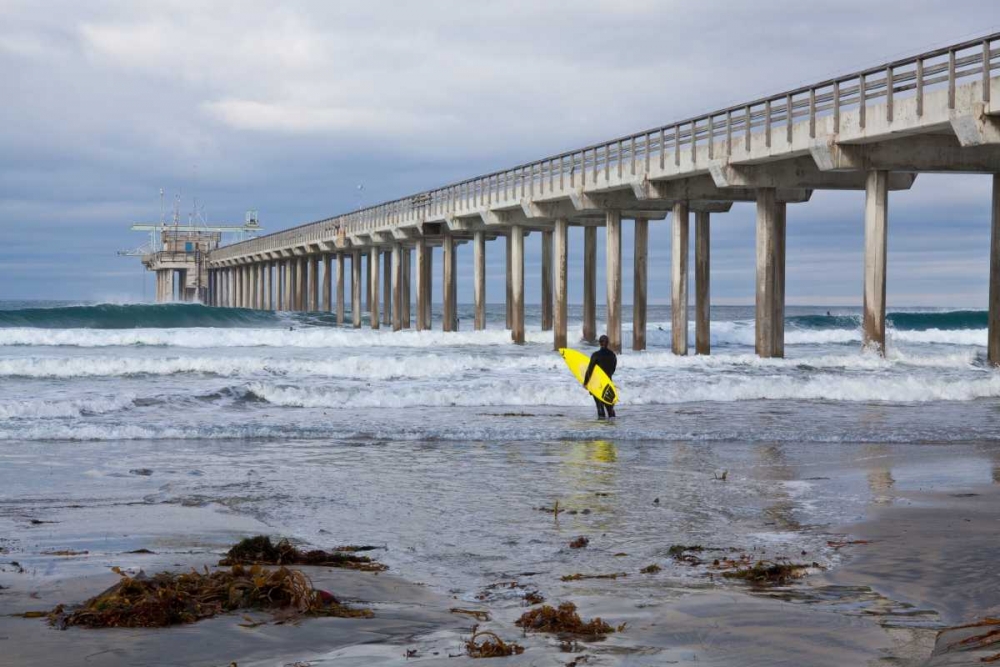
[[533, 597], [505, 590], [554, 510], [580, 577], [650, 569], [563, 619], [982, 635], [353, 548], [491, 646], [838, 544], [167, 598], [260, 549], [771, 573], [141, 472], [686, 554], [721, 477], [579, 542], [477, 614], [65, 552]]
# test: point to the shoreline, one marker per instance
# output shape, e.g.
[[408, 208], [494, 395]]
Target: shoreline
[[885, 601]]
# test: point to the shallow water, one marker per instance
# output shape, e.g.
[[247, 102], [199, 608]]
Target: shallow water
[[443, 447]]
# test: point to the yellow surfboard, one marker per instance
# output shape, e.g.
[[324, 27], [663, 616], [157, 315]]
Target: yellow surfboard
[[600, 385]]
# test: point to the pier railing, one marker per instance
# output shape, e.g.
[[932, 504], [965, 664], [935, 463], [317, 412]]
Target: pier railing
[[718, 132]]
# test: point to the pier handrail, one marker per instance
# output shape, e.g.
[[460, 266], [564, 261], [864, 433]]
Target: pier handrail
[[914, 75]]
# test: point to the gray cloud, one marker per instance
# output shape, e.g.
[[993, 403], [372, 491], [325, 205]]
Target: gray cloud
[[287, 108]]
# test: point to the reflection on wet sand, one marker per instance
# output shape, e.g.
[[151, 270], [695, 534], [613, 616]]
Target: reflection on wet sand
[[780, 510], [878, 472]]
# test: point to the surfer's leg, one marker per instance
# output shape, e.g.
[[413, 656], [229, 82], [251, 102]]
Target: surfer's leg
[[611, 411], [600, 409]]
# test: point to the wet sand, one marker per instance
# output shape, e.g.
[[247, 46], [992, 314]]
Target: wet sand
[[929, 562]]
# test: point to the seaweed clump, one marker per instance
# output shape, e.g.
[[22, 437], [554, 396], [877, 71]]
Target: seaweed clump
[[167, 599], [491, 646], [563, 620], [764, 573], [260, 549]]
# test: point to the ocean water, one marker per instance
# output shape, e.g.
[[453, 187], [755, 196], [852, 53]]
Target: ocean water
[[444, 448]]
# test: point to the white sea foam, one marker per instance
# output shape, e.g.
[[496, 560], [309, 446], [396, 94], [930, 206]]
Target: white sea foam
[[427, 364], [639, 390], [723, 334], [47, 409]]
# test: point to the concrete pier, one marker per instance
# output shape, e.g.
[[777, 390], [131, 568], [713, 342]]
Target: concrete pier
[[448, 286], [639, 283], [356, 289], [590, 284], [561, 250], [479, 278], [993, 336], [613, 273], [679, 279], [423, 288], [396, 286], [405, 316], [871, 131], [373, 287], [876, 241], [301, 284], [388, 301], [702, 287], [770, 300], [429, 282], [517, 284], [546, 281], [327, 287], [510, 283], [340, 289]]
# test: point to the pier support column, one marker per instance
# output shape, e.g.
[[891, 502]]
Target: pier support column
[[448, 287], [368, 281], [639, 283], [327, 274], [268, 298], [374, 255], [479, 277], [259, 285], [388, 300], [702, 292], [279, 303], [314, 283], [509, 298], [265, 283], [517, 284], [429, 301], [248, 286], [301, 284], [356, 289], [546, 281], [423, 291], [993, 335], [340, 289], [613, 276], [289, 272], [876, 238], [770, 308], [679, 279], [397, 287], [560, 250], [590, 284], [405, 305]]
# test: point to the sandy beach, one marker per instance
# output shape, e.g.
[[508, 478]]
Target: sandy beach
[[910, 569]]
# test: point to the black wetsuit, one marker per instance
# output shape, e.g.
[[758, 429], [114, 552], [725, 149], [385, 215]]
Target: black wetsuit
[[608, 361]]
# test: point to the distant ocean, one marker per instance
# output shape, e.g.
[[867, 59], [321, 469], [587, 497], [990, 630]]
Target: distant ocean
[[442, 445]]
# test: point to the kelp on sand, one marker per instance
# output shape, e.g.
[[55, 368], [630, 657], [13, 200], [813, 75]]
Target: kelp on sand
[[167, 599], [563, 619], [260, 549]]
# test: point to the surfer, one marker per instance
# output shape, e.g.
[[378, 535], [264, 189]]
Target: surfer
[[608, 361]]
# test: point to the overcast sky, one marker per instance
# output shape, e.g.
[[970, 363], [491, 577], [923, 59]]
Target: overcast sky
[[288, 107]]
